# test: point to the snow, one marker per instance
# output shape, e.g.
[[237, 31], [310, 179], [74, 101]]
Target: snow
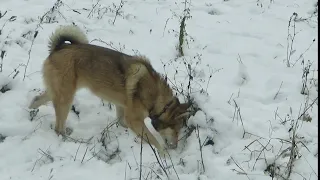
[[242, 45]]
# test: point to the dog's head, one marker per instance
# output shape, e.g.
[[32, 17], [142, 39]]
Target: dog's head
[[170, 120]]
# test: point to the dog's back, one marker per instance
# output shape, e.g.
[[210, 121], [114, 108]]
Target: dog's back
[[102, 70]]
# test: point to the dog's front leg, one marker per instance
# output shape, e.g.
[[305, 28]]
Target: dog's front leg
[[135, 122], [120, 116]]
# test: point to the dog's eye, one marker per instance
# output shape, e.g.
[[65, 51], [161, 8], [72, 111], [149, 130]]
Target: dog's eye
[[155, 123]]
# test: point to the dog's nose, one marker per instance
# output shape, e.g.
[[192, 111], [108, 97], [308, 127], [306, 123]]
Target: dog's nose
[[172, 145]]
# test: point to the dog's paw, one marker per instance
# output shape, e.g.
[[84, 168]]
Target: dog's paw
[[69, 131], [32, 114]]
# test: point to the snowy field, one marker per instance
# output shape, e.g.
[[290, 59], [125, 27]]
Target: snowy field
[[254, 77]]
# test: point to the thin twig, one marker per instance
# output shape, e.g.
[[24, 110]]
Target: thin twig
[[201, 154], [118, 11], [242, 171], [93, 8], [154, 152], [275, 96], [141, 139], [84, 155], [237, 110], [173, 166], [76, 152], [291, 37]]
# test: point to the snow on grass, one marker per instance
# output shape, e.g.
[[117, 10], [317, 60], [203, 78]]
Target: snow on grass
[[235, 52]]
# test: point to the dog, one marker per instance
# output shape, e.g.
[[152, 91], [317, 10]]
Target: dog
[[129, 82]]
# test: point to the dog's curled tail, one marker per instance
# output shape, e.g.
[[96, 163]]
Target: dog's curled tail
[[70, 33]]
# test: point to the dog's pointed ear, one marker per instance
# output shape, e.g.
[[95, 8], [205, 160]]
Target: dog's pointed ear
[[182, 116], [184, 106], [183, 111]]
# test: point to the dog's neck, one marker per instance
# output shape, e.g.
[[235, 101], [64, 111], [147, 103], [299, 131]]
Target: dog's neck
[[162, 101], [164, 109], [154, 116]]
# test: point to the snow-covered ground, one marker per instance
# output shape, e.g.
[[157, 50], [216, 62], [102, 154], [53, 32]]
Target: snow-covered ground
[[237, 53]]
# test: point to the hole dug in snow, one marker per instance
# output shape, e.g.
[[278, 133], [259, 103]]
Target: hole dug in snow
[[214, 12], [2, 138], [5, 88], [209, 142], [7, 83]]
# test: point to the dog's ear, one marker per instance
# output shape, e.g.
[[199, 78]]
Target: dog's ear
[[184, 107], [183, 111]]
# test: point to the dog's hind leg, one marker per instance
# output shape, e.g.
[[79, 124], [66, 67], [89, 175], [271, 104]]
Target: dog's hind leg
[[39, 100], [61, 86], [62, 94], [62, 109]]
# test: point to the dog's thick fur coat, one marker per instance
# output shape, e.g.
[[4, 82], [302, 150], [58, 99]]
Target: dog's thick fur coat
[[129, 82]]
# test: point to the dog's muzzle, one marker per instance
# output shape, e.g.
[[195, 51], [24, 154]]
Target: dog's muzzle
[[172, 145]]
